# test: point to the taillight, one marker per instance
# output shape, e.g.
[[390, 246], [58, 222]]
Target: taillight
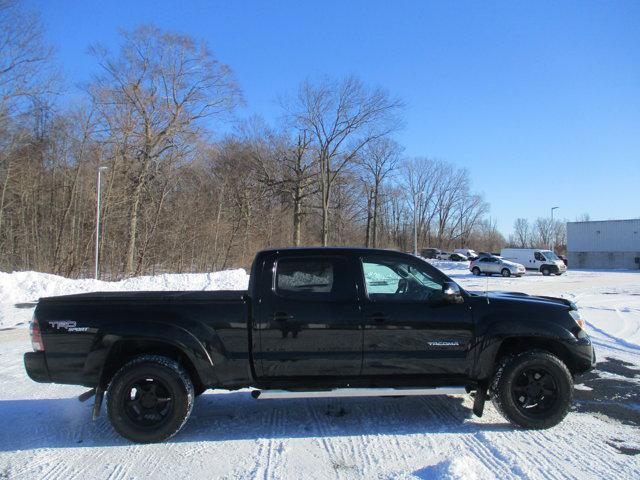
[[36, 337]]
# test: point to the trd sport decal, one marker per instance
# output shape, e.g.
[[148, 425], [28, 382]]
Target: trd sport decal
[[68, 325]]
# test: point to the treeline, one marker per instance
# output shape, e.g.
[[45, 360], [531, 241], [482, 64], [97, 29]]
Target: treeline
[[177, 196], [541, 233]]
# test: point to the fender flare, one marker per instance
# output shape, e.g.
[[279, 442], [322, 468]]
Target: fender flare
[[538, 333], [120, 337]]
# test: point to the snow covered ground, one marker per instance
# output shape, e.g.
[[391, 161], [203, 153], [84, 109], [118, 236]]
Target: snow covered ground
[[46, 433]]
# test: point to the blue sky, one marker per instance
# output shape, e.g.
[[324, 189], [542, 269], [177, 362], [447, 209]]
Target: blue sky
[[539, 100]]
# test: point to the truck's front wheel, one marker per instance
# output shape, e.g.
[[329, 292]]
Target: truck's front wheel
[[150, 399], [533, 389]]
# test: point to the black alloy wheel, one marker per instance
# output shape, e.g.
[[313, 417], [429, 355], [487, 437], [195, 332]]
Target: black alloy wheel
[[150, 398], [147, 402], [534, 391]]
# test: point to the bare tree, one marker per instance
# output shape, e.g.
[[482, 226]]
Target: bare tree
[[175, 200], [153, 96], [285, 165], [343, 117], [469, 211], [24, 58], [543, 229], [487, 237], [24, 65], [522, 232], [420, 180], [378, 160]]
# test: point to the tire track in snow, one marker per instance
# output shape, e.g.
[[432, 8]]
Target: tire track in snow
[[60, 470], [492, 459], [328, 446], [270, 450]]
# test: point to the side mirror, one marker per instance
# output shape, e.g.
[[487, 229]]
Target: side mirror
[[451, 293]]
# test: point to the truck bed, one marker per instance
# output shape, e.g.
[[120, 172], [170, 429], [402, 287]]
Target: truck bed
[[155, 296]]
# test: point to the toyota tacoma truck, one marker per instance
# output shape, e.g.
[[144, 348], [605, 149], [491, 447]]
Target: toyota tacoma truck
[[314, 322]]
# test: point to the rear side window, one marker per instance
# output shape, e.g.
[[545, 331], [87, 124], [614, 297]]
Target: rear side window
[[322, 278]]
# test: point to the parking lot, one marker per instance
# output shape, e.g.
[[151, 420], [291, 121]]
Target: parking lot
[[47, 433]]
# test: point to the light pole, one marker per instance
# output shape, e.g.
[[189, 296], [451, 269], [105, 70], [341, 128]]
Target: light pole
[[100, 170], [415, 222], [552, 228]]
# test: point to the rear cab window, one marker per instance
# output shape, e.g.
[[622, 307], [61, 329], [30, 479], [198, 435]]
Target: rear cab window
[[313, 278]]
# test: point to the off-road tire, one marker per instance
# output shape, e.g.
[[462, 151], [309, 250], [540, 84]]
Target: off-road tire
[[178, 383], [501, 389]]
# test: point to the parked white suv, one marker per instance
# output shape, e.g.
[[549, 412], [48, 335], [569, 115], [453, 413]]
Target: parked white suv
[[544, 261], [491, 265]]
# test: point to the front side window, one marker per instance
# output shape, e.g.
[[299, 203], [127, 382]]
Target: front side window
[[397, 280]]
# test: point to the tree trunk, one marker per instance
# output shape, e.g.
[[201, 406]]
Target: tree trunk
[[4, 190], [326, 190], [133, 227], [58, 242], [367, 238], [297, 215], [376, 192]]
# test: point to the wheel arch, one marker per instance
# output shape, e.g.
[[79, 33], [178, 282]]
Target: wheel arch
[[126, 349], [552, 268], [514, 345]]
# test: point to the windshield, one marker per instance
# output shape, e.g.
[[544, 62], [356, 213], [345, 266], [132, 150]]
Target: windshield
[[550, 255]]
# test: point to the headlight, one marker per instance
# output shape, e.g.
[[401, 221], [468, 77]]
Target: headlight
[[575, 314]]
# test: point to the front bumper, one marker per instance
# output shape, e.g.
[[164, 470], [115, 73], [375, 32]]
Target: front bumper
[[584, 355], [35, 364]]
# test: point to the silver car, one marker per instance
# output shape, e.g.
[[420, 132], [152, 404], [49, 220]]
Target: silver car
[[491, 265]]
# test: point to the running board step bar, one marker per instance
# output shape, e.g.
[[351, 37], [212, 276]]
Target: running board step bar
[[358, 392]]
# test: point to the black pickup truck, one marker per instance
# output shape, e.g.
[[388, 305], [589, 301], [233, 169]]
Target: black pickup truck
[[313, 322]]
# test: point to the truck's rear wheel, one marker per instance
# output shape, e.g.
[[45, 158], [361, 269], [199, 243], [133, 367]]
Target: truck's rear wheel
[[533, 389], [150, 399]]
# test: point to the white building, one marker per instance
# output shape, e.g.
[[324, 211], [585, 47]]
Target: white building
[[604, 244]]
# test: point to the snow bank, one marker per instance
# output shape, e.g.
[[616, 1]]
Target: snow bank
[[24, 287]]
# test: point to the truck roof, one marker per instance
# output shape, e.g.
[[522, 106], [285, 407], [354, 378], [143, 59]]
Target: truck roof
[[320, 250]]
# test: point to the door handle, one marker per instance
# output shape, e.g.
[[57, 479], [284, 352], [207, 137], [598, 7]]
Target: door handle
[[281, 317], [378, 317]]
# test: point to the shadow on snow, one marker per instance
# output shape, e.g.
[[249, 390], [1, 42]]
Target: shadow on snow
[[66, 423]]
